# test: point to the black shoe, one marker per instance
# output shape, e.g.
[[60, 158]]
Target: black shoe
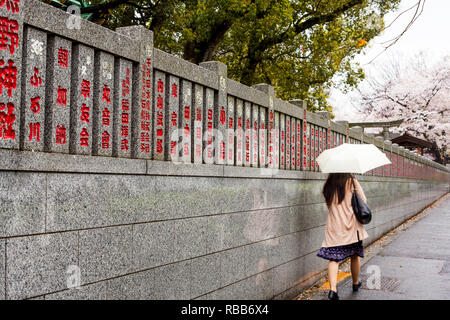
[[333, 295], [356, 286]]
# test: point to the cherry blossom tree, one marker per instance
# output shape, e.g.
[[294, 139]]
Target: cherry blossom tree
[[416, 91]]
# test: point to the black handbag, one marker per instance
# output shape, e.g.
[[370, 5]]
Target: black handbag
[[361, 210]]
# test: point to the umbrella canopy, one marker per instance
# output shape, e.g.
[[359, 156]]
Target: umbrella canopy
[[353, 158]]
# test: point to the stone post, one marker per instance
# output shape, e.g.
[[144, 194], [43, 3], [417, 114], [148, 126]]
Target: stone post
[[361, 133], [414, 169], [159, 115], [347, 130], [240, 140], [388, 150], [326, 115], [420, 167], [197, 123], [328, 138], [307, 131], [300, 136], [123, 70], [58, 94], [408, 163], [141, 109], [276, 141], [268, 130], [368, 138], [312, 146], [282, 141], [84, 94], [298, 132], [255, 127], [209, 126], [298, 141], [287, 142], [385, 133], [32, 114], [230, 134], [302, 147], [395, 159], [415, 158], [293, 142], [220, 110], [103, 104], [247, 133], [173, 119], [381, 170], [186, 115], [402, 161], [304, 161]]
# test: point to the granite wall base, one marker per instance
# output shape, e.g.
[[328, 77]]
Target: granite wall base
[[104, 235]]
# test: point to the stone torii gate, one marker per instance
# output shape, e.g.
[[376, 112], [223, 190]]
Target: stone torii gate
[[380, 124]]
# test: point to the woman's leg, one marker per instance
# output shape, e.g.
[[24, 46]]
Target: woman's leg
[[354, 266], [333, 267]]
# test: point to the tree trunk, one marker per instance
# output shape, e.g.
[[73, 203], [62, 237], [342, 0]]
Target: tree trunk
[[197, 51]]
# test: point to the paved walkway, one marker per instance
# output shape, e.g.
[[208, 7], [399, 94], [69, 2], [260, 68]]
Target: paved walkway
[[414, 265]]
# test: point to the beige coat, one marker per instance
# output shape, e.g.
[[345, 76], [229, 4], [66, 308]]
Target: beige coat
[[342, 227]]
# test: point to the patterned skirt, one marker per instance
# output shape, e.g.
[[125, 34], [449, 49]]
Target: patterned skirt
[[340, 253]]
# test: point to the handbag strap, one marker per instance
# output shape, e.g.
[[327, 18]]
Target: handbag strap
[[354, 188]]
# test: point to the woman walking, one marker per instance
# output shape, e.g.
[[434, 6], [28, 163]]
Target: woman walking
[[343, 232]]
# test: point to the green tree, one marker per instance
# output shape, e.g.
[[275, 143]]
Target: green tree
[[298, 46]]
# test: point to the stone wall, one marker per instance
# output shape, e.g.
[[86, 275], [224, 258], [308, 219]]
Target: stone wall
[[130, 173], [148, 229]]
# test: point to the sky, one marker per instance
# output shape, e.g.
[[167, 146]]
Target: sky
[[429, 34]]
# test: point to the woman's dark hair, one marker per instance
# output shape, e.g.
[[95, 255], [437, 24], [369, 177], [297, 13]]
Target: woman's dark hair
[[335, 184]]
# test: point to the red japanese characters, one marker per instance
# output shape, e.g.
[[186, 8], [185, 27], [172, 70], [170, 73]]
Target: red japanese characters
[[9, 34], [159, 117], [145, 107], [10, 30], [85, 94], [7, 118]]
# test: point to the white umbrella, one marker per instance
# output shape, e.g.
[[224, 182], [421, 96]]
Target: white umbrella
[[354, 158]]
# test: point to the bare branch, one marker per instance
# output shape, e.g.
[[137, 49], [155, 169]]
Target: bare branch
[[419, 6]]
